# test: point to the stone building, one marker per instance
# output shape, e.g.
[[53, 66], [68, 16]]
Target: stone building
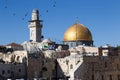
[[99, 68], [13, 65], [14, 46], [90, 66]]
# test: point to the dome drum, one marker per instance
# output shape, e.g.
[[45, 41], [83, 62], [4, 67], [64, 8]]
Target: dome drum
[[77, 43]]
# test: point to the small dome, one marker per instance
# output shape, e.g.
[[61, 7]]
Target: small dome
[[46, 41], [77, 32]]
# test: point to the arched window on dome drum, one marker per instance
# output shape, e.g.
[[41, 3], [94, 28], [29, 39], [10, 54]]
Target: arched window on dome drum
[[71, 44]]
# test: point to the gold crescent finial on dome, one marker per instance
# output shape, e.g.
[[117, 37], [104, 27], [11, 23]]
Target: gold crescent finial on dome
[[77, 19]]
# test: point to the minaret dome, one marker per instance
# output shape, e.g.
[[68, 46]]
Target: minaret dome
[[35, 14]]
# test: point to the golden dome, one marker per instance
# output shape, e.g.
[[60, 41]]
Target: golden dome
[[77, 32]]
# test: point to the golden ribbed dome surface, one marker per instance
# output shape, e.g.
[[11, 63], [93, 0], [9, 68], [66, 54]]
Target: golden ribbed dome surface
[[77, 32]]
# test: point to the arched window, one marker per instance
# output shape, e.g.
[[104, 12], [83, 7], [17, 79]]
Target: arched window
[[18, 58], [71, 66]]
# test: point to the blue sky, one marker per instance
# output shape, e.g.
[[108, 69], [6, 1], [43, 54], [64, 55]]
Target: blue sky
[[102, 17]]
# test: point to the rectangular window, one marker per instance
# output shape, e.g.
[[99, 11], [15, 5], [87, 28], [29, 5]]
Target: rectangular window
[[110, 77], [102, 77], [92, 66], [118, 66], [19, 70], [92, 77], [3, 72], [118, 77], [105, 64], [8, 71]]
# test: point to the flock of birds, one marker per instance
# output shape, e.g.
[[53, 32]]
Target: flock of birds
[[25, 14]]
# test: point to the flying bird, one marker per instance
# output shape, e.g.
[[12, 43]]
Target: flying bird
[[14, 14], [47, 11], [54, 6], [5, 7]]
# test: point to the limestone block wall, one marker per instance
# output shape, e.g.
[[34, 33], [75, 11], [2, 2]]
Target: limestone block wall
[[99, 68], [34, 67], [40, 67]]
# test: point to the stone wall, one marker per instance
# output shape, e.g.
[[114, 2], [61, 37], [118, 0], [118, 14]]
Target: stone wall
[[99, 68]]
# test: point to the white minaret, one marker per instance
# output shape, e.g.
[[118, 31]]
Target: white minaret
[[35, 27]]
